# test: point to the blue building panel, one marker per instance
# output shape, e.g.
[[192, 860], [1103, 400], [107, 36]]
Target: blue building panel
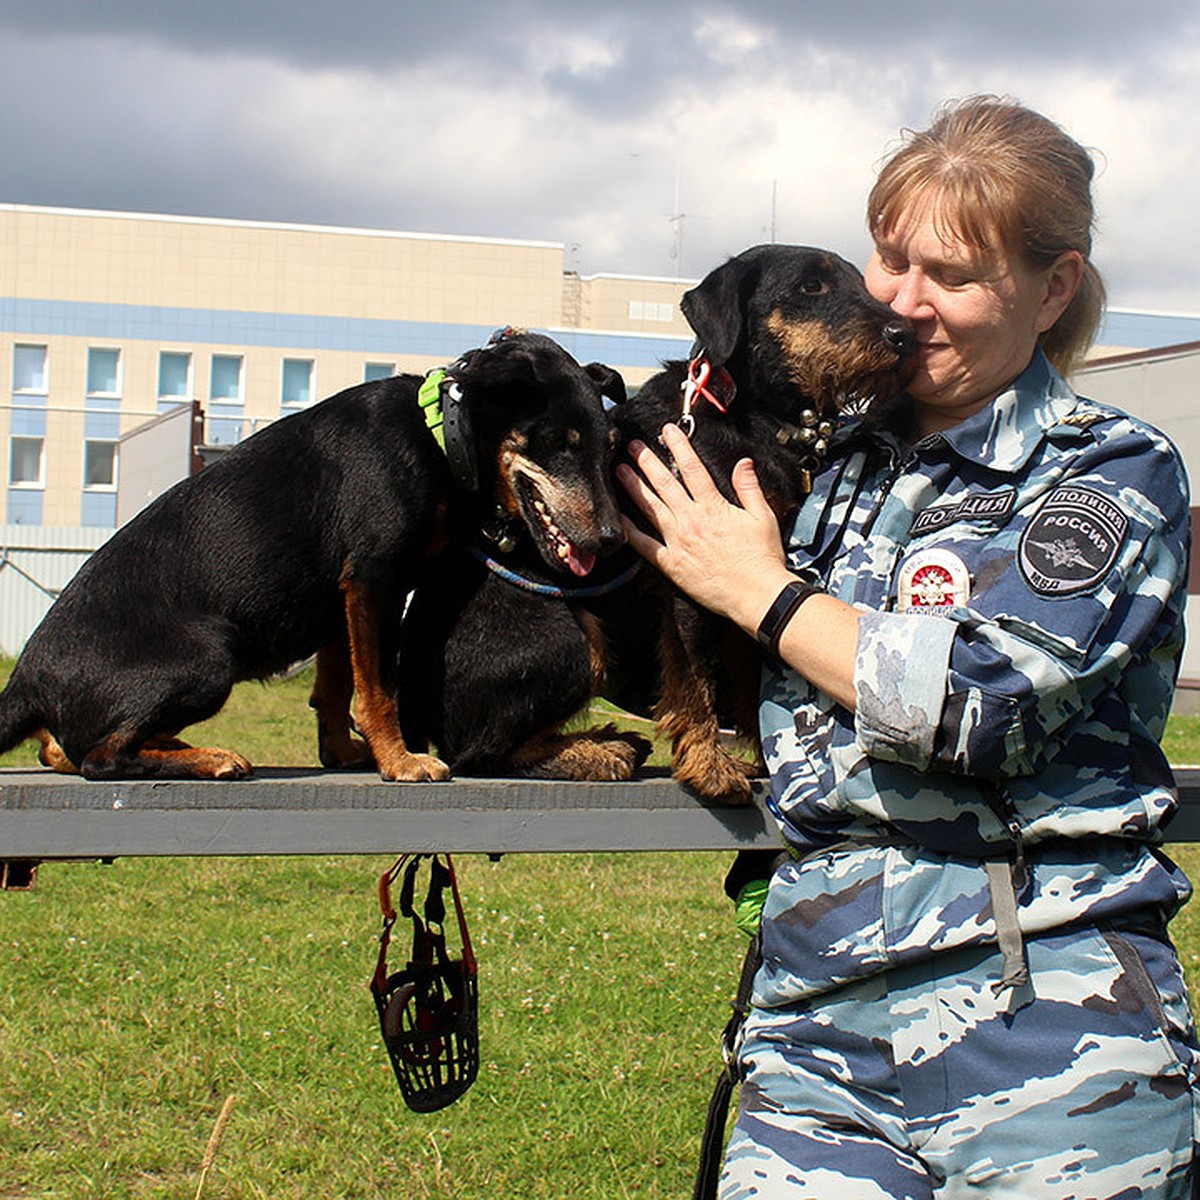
[[28, 417], [99, 510], [25, 506], [94, 320], [1147, 331]]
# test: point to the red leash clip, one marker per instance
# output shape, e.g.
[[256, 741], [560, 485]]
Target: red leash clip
[[699, 372]]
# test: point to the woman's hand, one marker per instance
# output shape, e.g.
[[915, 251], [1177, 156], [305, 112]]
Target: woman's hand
[[731, 559], [728, 559]]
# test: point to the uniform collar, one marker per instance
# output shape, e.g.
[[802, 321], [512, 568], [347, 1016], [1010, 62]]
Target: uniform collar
[[1001, 437], [1004, 435]]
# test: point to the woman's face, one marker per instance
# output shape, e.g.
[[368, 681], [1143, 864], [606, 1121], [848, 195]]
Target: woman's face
[[977, 314]]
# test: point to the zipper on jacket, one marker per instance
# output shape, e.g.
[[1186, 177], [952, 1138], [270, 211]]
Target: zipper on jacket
[[899, 464]]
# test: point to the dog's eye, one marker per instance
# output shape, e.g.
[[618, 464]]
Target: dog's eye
[[814, 287], [574, 437]]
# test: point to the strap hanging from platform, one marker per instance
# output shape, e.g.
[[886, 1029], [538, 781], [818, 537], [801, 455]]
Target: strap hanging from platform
[[712, 1143]]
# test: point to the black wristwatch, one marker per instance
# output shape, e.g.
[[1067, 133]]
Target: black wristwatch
[[771, 627]]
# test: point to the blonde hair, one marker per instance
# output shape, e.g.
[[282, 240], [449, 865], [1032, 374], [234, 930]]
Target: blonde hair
[[1001, 172]]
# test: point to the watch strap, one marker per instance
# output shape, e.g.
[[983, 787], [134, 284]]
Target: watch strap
[[771, 627]]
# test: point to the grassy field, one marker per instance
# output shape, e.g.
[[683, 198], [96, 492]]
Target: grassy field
[[137, 998]]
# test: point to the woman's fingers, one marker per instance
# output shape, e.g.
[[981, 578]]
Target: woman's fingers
[[748, 489], [692, 470]]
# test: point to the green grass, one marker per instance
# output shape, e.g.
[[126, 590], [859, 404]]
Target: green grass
[[135, 998]]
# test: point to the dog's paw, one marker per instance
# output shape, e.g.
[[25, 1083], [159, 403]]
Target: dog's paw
[[414, 768], [227, 764], [713, 774], [353, 755], [630, 750]]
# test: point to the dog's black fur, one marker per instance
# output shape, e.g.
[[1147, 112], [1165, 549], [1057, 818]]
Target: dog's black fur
[[786, 331], [305, 539]]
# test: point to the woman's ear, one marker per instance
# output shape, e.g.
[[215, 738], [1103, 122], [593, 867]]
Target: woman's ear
[[1062, 281]]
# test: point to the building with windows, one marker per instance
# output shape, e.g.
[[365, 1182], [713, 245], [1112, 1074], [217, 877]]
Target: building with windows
[[108, 320]]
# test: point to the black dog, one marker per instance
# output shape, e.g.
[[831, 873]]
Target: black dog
[[501, 644], [786, 337], [305, 539]]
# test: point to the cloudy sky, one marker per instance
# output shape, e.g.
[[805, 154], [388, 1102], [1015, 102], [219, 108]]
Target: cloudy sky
[[648, 136]]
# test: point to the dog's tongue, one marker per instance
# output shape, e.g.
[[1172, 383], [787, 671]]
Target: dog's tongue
[[580, 561]]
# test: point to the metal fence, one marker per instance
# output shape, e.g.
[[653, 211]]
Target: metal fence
[[36, 562]]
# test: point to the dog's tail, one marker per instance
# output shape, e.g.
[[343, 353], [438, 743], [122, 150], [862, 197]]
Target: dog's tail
[[19, 715]]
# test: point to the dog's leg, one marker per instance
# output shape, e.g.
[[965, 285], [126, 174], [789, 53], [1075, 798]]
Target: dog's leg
[[603, 753], [375, 704], [52, 755], [163, 757], [687, 714], [332, 691]]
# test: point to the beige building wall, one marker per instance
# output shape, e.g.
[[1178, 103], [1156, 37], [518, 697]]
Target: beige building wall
[[118, 258], [634, 304], [343, 300]]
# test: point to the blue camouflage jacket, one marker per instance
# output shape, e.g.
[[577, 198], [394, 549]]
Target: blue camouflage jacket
[[1022, 579]]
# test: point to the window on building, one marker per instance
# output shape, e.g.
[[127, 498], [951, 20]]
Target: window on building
[[648, 310], [226, 381], [25, 463], [378, 370], [297, 382], [29, 369], [100, 465], [174, 375], [103, 372]]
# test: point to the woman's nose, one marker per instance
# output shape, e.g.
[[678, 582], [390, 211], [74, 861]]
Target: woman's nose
[[908, 298]]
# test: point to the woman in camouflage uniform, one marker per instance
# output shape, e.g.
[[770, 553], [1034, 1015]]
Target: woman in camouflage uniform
[[967, 987]]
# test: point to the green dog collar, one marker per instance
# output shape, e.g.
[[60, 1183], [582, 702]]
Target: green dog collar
[[429, 397]]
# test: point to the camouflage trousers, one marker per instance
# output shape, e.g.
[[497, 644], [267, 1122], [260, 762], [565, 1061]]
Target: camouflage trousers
[[922, 1082]]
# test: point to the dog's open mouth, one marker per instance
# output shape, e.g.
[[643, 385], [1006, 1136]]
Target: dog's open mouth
[[578, 561], [558, 547]]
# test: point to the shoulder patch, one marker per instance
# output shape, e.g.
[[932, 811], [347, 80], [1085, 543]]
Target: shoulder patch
[[1072, 542]]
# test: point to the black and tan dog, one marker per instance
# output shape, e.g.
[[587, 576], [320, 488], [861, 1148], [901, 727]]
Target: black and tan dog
[[305, 539], [786, 337]]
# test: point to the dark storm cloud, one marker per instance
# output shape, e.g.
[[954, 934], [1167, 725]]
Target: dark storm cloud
[[658, 37], [593, 125]]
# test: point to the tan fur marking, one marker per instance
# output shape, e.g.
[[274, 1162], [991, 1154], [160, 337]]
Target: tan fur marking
[[168, 758], [686, 714], [52, 755], [375, 705], [333, 689], [572, 504], [603, 753], [593, 630], [858, 363]]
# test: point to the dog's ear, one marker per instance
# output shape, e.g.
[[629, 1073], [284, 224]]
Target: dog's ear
[[482, 368], [608, 381], [716, 307]]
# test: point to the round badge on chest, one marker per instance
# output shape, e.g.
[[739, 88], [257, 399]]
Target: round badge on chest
[[932, 579]]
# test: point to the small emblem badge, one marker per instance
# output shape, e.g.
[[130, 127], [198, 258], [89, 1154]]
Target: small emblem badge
[[932, 578], [1072, 542]]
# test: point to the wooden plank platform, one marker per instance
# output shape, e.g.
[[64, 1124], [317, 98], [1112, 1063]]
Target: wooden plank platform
[[307, 811]]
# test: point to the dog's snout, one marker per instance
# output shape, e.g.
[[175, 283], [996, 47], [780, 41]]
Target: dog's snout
[[611, 536], [899, 335]]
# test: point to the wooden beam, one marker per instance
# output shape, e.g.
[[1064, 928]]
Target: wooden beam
[[304, 811]]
